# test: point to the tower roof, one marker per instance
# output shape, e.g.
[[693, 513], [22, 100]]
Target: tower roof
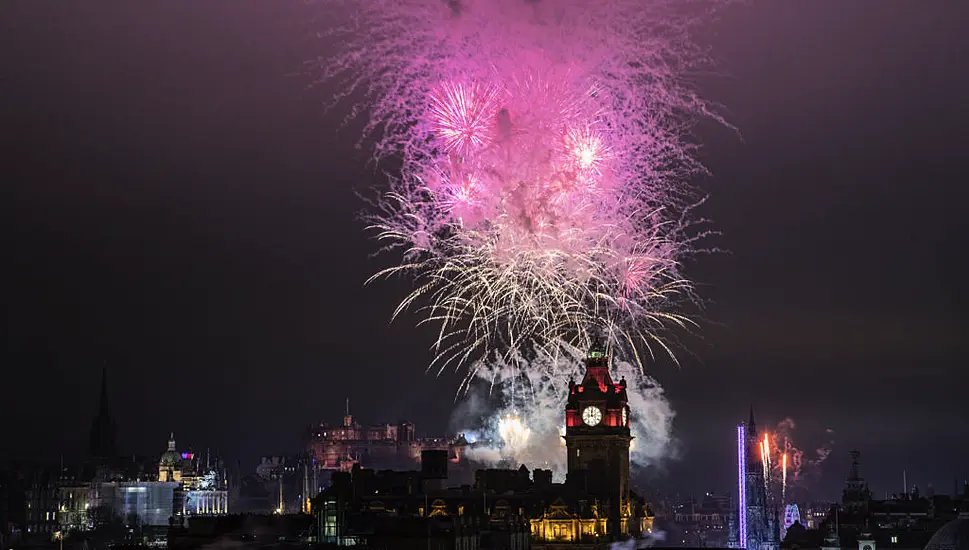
[[597, 383], [597, 365], [599, 347]]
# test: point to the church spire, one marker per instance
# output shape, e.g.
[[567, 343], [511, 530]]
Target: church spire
[[855, 474], [751, 426], [102, 429], [103, 404]]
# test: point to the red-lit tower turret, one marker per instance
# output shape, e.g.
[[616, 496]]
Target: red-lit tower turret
[[597, 435]]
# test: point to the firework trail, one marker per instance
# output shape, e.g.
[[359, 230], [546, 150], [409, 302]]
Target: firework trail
[[784, 478], [792, 466], [542, 189], [765, 458]]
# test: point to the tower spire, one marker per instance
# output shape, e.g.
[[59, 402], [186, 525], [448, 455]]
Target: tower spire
[[855, 475], [347, 419], [103, 401], [751, 426], [102, 429]]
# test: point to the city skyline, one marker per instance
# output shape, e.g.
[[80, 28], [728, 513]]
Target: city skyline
[[186, 215], [803, 486]]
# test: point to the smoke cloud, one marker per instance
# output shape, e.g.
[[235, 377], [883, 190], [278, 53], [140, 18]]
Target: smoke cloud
[[802, 467], [517, 416]]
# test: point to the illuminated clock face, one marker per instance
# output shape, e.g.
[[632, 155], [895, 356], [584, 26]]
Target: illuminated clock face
[[592, 416], [867, 547], [625, 417]]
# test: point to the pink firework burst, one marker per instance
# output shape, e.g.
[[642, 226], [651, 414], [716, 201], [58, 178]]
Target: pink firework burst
[[463, 115], [545, 166], [585, 152]]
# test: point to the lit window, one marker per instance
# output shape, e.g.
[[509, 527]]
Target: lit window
[[894, 539]]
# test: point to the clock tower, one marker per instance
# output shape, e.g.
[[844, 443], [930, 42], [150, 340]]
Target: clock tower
[[597, 437]]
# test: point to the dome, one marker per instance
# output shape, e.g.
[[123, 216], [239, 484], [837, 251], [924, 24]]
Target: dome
[[952, 536], [171, 456]]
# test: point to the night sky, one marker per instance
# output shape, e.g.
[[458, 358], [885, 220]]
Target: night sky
[[175, 203]]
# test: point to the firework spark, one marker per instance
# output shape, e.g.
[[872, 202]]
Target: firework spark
[[462, 115], [514, 433]]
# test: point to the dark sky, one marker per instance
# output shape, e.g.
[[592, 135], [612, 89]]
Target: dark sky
[[175, 203]]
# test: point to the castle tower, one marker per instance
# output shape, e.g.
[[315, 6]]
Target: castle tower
[[103, 429], [597, 437]]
